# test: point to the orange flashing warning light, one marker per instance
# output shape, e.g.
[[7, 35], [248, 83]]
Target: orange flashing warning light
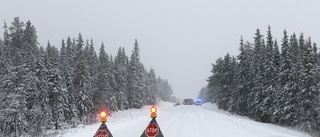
[[153, 111], [103, 116]]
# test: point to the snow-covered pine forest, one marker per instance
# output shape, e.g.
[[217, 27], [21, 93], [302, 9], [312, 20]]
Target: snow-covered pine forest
[[269, 82], [43, 88]]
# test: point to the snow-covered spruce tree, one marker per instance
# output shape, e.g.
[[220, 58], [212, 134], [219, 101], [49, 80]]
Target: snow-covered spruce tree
[[18, 77], [67, 73], [317, 79], [92, 59], [135, 85], [6, 121], [277, 56], [77, 47], [243, 77], [3, 71], [151, 88], [58, 97], [308, 97], [70, 53], [213, 81], [269, 82], [113, 84], [288, 88], [164, 89], [223, 77], [102, 82], [121, 75], [234, 83], [296, 54], [32, 59], [228, 82], [105, 83], [16, 83], [143, 74], [66, 105], [41, 109], [276, 62], [295, 51], [83, 84], [168, 90], [30, 45], [257, 96], [92, 64], [14, 108]]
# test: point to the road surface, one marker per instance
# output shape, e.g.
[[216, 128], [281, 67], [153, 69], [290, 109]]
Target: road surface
[[185, 121]]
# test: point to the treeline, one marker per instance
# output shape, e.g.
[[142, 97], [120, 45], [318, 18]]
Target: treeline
[[268, 85], [48, 89]]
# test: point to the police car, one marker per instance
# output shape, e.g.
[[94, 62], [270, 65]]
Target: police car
[[198, 102]]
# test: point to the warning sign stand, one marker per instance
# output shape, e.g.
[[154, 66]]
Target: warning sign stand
[[152, 130], [103, 131]]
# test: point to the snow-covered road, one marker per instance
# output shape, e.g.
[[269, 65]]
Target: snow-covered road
[[185, 121]]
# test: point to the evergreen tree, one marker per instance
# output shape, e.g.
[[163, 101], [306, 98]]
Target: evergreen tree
[[223, 77], [5, 35], [135, 88], [243, 78], [57, 98], [102, 82], [151, 88], [214, 84], [67, 68], [83, 84], [104, 94], [269, 81], [70, 53], [41, 109], [65, 100], [16, 34], [308, 96], [17, 83], [78, 49], [295, 51], [276, 57], [257, 96], [164, 89], [92, 59], [286, 113], [29, 52], [121, 74], [113, 84]]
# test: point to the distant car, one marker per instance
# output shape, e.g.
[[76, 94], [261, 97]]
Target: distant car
[[177, 104], [198, 102], [188, 101]]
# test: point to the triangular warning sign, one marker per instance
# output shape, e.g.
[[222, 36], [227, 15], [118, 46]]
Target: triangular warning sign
[[152, 130], [103, 131]]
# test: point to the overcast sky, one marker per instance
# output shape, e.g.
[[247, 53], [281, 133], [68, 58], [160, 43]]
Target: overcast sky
[[180, 39]]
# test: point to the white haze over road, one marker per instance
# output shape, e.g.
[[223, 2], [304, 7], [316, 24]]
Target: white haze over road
[[178, 38], [185, 121]]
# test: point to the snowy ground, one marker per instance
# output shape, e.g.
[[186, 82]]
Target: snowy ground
[[184, 121]]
